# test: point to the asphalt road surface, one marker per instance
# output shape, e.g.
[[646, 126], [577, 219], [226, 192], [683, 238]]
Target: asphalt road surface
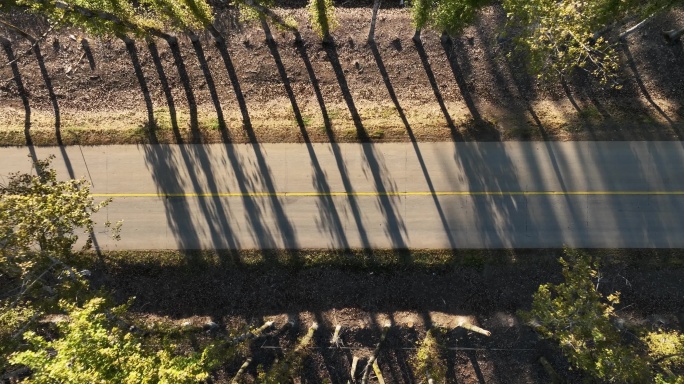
[[394, 195]]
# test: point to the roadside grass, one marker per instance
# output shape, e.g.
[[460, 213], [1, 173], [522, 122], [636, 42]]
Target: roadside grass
[[369, 260], [275, 123]]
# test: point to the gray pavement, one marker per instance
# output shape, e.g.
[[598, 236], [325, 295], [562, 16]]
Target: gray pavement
[[394, 195]]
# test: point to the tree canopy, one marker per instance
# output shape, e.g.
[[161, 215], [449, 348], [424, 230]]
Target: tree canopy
[[92, 348], [582, 321], [40, 221], [449, 16], [559, 37]]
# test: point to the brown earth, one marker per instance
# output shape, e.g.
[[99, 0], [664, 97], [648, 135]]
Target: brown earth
[[100, 101], [412, 292]]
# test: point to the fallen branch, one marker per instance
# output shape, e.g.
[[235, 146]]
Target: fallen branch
[[253, 334], [243, 367], [634, 28], [355, 362], [366, 370], [474, 328], [378, 372], [336, 336]]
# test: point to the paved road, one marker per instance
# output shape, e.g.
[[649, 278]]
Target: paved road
[[426, 195]]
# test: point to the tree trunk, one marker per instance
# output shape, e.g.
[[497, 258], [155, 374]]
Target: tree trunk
[[253, 334], [367, 369], [374, 17], [416, 36]]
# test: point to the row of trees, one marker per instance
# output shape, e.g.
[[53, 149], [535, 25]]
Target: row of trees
[[558, 37]]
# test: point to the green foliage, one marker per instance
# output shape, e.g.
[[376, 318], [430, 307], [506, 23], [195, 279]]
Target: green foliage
[[582, 321], [200, 11], [576, 316], [322, 17], [122, 17], [449, 16], [13, 318], [90, 18], [560, 37], [39, 220], [420, 12], [666, 348], [250, 12], [92, 348], [255, 10], [39, 215], [6, 5], [178, 15], [429, 359]]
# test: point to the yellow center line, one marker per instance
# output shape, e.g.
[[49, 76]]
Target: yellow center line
[[407, 193]]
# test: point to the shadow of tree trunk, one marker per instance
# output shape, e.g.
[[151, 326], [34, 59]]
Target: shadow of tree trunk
[[232, 75], [51, 91], [449, 47], [388, 84], [273, 48], [433, 83], [7, 45], [301, 49], [644, 91], [210, 81], [88, 53], [329, 211], [133, 53], [353, 204], [331, 50], [187, 88], [152, 46], [455, 135]]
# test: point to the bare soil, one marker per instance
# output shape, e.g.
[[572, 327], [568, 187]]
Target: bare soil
[[483, 288], [393, 90]]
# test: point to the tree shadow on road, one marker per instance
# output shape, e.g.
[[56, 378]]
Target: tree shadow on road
[[329, 216]]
